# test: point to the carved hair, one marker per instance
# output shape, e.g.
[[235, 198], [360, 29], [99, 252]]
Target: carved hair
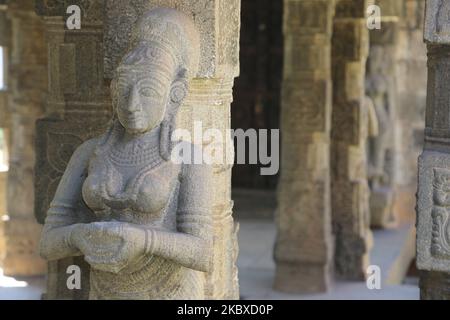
[[168, 32], [173, 30]]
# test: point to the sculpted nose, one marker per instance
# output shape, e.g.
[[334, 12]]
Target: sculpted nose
[[134, 101]]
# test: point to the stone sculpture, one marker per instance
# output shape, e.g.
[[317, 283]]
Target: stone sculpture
[[380, 146], [141, 221], [377, 86]]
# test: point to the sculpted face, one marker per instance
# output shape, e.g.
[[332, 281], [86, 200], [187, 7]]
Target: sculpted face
[[141, 90]]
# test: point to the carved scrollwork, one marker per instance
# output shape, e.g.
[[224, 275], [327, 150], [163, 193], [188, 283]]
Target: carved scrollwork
[[440, 242], [60, 149]]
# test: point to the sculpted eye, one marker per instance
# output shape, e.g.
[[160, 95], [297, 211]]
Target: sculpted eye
[[148, 92]]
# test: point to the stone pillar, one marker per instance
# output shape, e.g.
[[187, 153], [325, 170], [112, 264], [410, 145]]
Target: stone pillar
[[412, 92], [304, 245], [27, 84], [81, 64], [208, 102], [350, 120], [433, 218], [78, 108], [381, 87], [4, 115]]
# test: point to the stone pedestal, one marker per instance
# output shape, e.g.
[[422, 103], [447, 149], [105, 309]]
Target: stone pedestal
[[304, 244], [26, 86], [350, 120], [433, 218]]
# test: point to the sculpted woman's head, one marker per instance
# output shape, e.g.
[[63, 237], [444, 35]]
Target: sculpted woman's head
[[152, 79]]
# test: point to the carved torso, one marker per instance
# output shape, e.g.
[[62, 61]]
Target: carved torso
[[131, 185], [136, 185]]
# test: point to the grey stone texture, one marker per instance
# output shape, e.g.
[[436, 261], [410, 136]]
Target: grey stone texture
[[433, 250]]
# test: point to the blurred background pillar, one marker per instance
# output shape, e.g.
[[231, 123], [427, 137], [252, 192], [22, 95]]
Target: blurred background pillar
[[304, 244], [411, 68], [5, 33], [350, 123], [382, 88], [27, 81]]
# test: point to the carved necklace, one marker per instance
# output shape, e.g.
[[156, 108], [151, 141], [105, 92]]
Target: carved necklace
[[149, 156], [142, 151]]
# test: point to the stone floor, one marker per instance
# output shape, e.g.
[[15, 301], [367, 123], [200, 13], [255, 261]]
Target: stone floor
[[393, 251], [21, 289], [256, 268]]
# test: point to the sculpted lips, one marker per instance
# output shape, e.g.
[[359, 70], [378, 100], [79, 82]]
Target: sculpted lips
[[133, 117]]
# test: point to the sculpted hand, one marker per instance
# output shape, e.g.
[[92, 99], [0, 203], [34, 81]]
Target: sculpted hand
[[111, 246]]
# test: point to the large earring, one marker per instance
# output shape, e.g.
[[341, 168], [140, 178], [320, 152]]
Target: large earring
[[177, 94]]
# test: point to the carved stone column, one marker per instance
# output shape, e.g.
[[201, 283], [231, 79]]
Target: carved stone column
[[433, 217], [208, 101], [304, 245], [81, 66], [349, 187], [27, 85], [411, 95], [381, 87], [5, 33], [78, 108]]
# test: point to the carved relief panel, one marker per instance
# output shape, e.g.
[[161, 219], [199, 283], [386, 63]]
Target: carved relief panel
[[433, 207]]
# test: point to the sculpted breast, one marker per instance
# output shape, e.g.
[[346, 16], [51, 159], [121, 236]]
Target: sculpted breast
[[92, 192], [153, 194], [145, 191]]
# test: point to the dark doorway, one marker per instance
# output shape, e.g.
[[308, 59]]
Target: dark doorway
[[257, 90]]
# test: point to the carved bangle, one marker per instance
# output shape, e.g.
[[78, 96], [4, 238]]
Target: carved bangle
[[68, 237], [149, 241]]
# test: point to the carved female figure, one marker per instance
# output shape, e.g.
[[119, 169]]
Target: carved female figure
[[377, 86], [141, 221]]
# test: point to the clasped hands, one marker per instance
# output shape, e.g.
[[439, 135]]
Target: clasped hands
[[112, 246]]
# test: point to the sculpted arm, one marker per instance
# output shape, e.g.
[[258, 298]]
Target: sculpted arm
[[192, 245], [63, 215]]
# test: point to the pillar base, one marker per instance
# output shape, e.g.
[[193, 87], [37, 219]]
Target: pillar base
[[302, 278], [381, 208], [434, 285], [352, 257]]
